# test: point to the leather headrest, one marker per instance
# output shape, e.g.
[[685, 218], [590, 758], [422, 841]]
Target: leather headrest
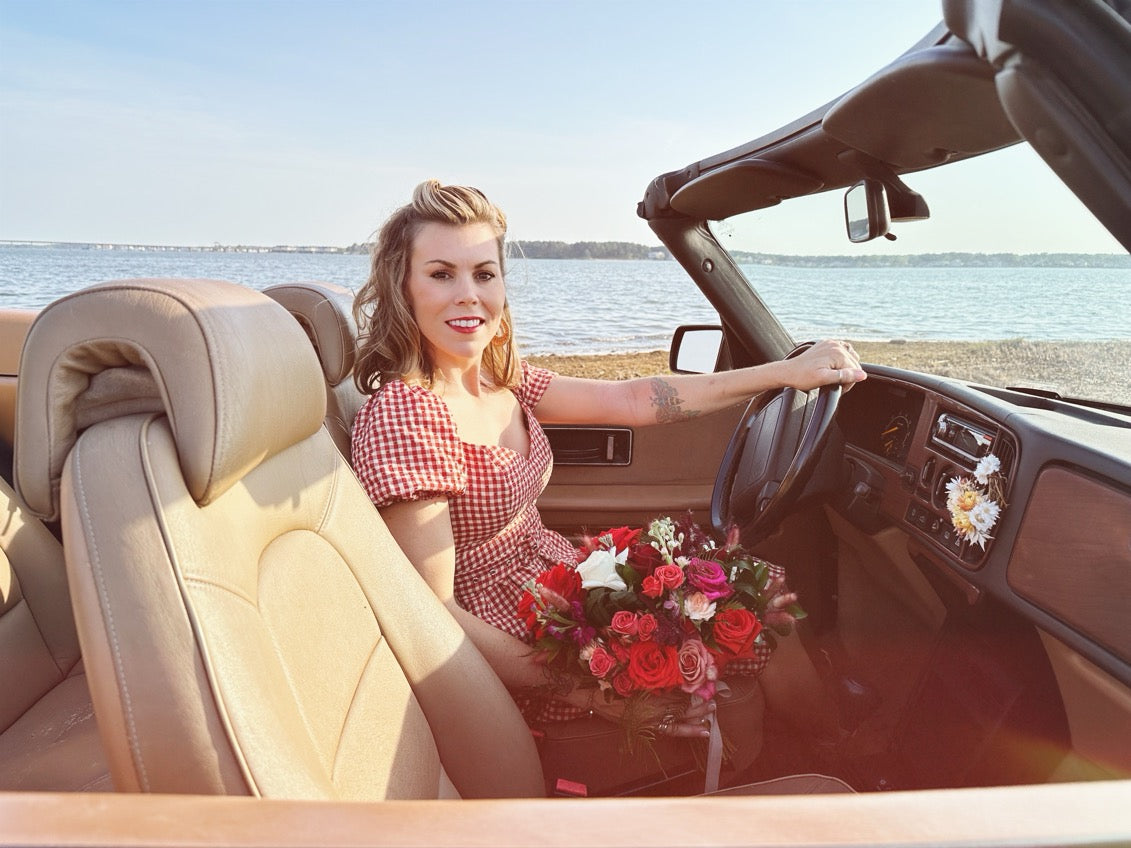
[[325, 312], [227, 365]]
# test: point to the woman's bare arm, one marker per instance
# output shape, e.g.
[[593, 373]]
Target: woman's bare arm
[[423, 529], [676, 397]]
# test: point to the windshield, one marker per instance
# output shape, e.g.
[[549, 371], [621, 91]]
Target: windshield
[[1010, 283]]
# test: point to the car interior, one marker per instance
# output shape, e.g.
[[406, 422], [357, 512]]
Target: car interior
[[200, 611]]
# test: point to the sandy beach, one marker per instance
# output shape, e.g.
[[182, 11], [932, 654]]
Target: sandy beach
[[1088, 369]]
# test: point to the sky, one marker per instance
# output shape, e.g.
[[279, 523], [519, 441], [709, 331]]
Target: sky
[[268, 122]]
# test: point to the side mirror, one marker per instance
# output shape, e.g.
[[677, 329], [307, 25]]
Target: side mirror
[[696, 349], [866, 211]]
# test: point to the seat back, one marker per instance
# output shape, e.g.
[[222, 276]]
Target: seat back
[[325, 313], [48, 737], [247, 622]]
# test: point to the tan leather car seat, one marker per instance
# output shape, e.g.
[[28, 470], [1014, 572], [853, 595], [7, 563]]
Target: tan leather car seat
[[325, 313], [247, 623], [48, 736]]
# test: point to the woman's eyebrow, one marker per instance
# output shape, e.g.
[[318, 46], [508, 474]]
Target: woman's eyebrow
[[449, 264]]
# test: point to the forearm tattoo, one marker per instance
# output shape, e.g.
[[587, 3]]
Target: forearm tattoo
[[668, 403]]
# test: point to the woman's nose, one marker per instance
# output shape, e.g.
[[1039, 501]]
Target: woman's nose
[[466, 291]]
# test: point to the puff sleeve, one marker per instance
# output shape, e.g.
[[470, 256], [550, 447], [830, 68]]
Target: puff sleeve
[[535, 381], [405, 446]]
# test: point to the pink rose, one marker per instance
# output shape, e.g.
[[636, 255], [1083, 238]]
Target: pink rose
[[698, 607], [601, 662], [670, 576], [698, 669], [624, 622], [646, 627]]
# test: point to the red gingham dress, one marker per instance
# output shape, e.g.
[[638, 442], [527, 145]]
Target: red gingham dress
[[405, 448]]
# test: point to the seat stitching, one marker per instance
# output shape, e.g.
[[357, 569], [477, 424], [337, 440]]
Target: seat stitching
[[352, 703], [108, 615], [201, 646], [286, 671], [332, 495], [210, 583]]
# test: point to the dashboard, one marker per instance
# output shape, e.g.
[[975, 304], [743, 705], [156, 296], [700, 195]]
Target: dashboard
[[1060, 551], [918, 443]]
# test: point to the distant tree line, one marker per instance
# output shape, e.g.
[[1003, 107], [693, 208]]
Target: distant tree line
[[588, 250], [628, 250], [941, 260], [569, 250]]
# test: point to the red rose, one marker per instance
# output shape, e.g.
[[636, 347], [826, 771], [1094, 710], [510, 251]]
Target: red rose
[[601, 662], [624, 623], [528, 612], [654, 666], [622, 684], [670, 576], [623, 537], [652, 587], [562, 580], [644, 558], [619, 649], [646, 627], [735, 631], [557, 588]]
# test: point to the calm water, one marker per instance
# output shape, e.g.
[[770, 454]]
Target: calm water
[[594, 306]]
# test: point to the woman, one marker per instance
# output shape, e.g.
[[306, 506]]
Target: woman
[[449, 445]]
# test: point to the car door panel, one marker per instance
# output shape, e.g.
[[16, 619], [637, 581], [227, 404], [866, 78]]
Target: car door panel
[[671, 469]]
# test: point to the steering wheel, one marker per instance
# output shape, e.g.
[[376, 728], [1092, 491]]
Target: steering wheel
[[771, 457]]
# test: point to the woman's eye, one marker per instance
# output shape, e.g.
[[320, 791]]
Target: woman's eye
[[485, 276], [441, 275]]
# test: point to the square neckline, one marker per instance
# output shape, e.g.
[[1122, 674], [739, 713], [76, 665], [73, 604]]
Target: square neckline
[[528, 420]]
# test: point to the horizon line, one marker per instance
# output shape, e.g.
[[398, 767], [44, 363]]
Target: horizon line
[[316, 248]]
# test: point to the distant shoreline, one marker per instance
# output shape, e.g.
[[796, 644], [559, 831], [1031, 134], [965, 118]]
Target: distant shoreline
[[1082, 369], [582, 251]]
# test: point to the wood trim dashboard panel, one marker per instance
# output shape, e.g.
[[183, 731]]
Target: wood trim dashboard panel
[[1072, 556]]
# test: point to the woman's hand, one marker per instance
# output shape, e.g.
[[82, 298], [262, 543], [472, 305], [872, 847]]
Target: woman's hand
[[824, 363], [692, 723], [779, 616], [675, 715]]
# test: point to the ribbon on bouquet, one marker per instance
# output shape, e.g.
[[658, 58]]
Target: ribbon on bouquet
[[714, 756]]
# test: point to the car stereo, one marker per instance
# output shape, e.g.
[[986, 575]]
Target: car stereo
[[962, 437]]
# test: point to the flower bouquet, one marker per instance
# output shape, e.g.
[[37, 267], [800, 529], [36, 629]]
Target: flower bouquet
[[975, 503], [660, 610]]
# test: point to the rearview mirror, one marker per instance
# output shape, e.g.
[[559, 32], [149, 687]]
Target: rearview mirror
[[866, 211]]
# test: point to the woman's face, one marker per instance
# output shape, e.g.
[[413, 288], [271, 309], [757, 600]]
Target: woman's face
[[456, 291]]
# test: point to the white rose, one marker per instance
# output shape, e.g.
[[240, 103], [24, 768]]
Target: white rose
[[600, 570]]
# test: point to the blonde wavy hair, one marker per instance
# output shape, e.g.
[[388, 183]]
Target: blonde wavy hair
[[390, 345]]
